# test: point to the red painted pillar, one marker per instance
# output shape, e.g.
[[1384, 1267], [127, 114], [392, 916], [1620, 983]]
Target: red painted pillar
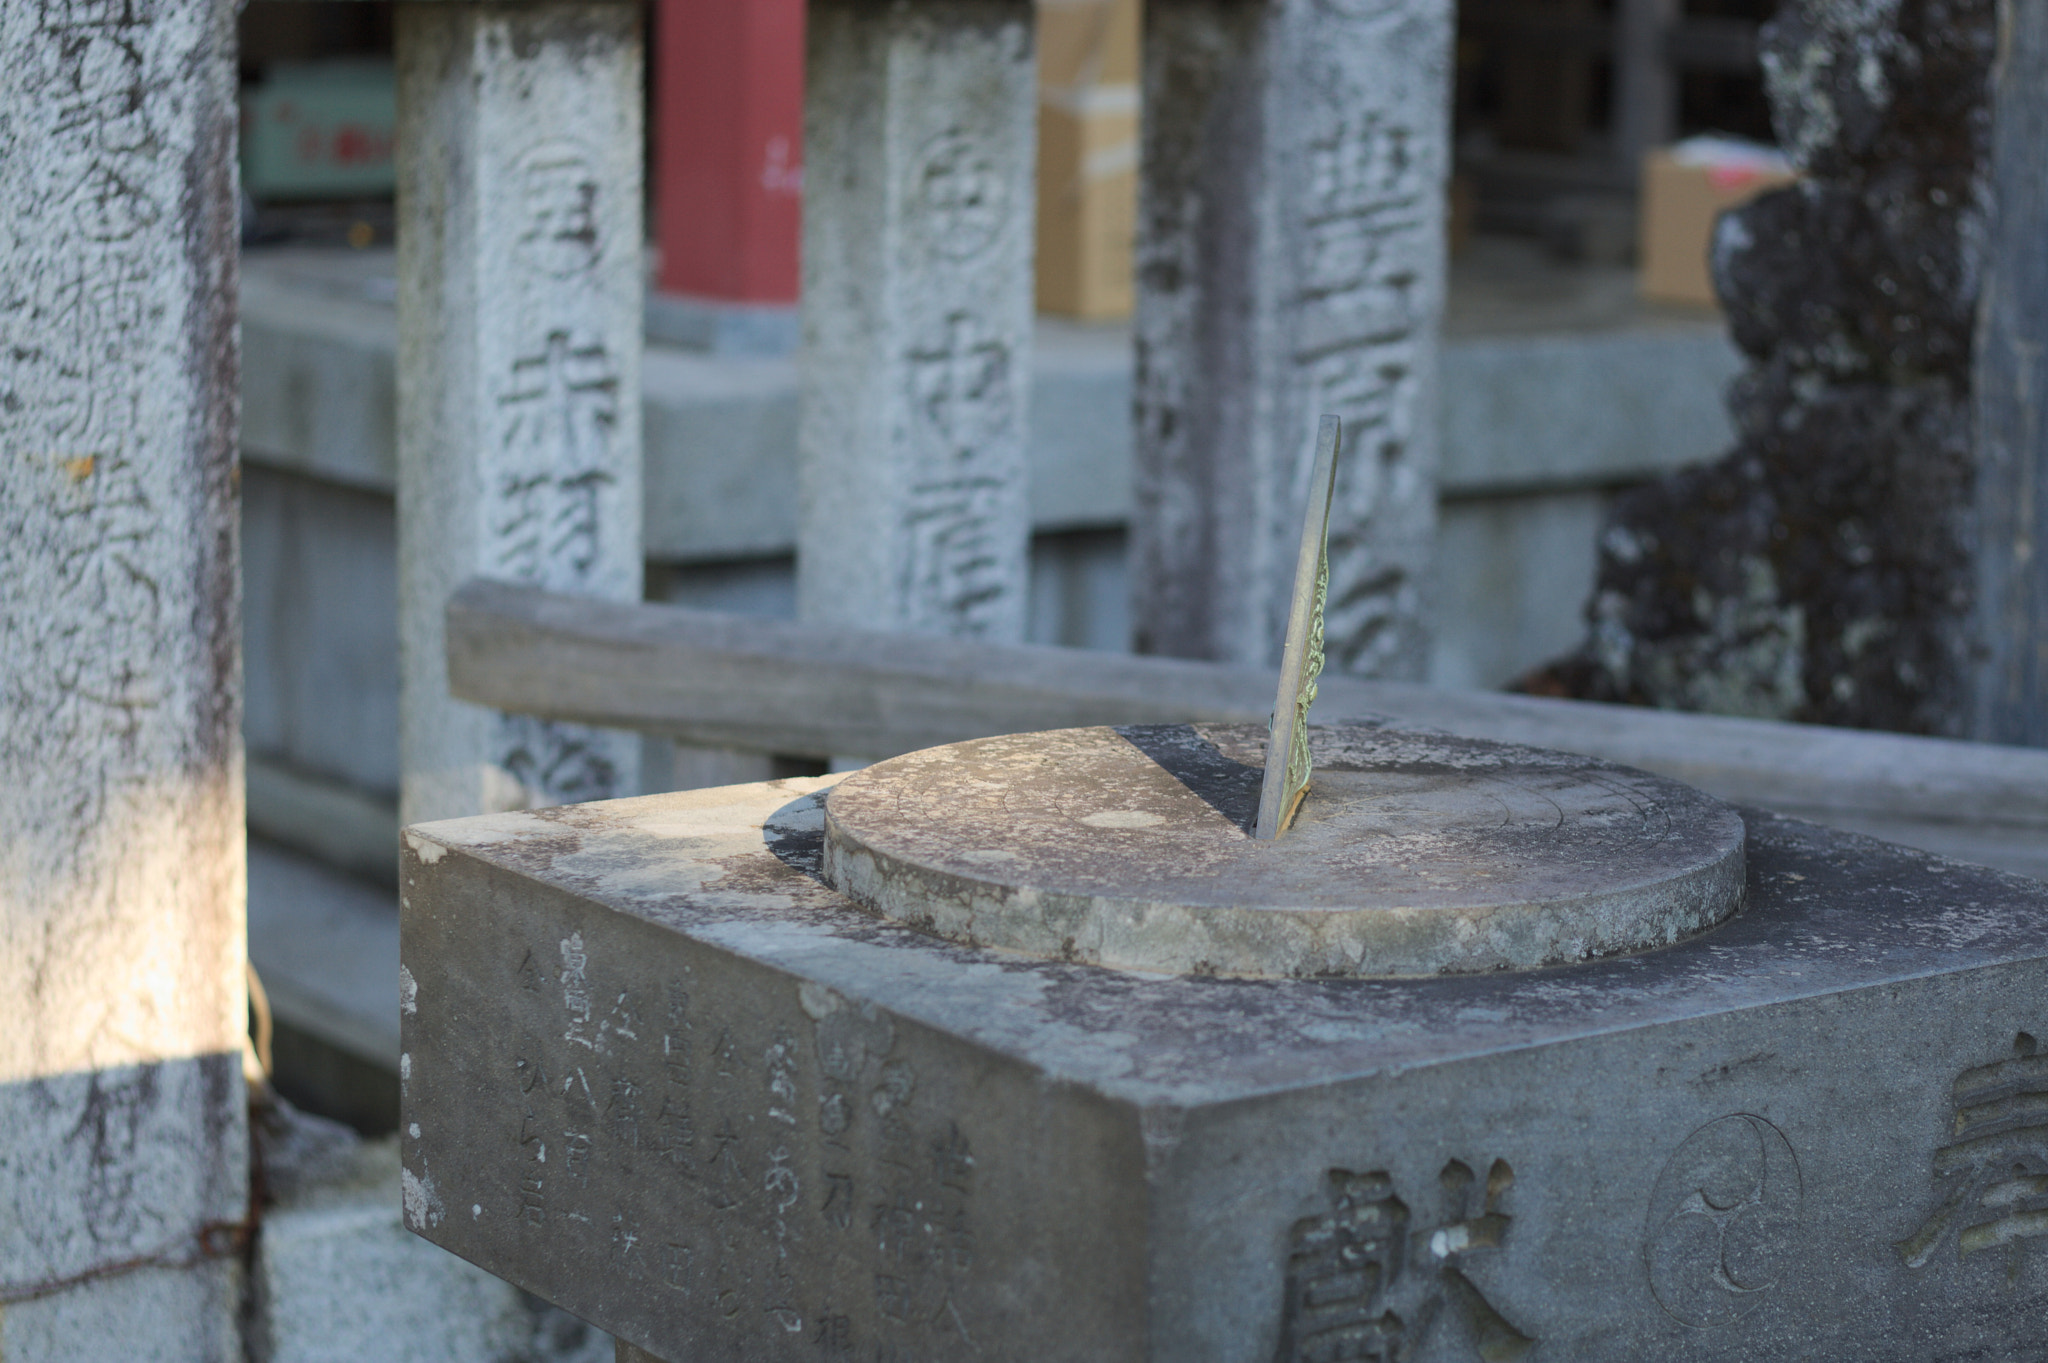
[[727, 159]]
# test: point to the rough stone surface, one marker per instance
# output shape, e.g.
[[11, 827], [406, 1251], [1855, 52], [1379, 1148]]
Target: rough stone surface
[[147, 1315], [919, 142], [1821, 571], [337, 1278], [776, 1126], [1413, 854], [1290, 263], [123, 1164], [519, 298], [340, 1280]]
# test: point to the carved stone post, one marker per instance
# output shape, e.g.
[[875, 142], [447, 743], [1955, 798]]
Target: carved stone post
[[519, 304], [123, 1136], [1290, 264], [920, 129]]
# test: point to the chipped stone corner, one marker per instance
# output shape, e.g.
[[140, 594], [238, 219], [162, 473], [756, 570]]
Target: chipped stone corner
[[428, 851], [420, 1201]]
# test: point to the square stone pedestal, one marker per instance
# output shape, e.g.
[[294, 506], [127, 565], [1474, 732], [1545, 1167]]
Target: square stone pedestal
[[657, 1073]]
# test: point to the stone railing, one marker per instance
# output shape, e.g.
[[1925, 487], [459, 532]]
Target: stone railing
[[1290, 262], [819, 690]]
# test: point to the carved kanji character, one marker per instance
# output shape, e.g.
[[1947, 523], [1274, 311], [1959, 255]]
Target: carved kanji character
[[1994, 1170]]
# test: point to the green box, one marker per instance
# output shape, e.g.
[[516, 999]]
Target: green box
[[322, 130]]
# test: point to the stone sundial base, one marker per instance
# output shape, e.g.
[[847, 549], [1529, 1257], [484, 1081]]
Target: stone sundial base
[[1413, 854], [660, 1074]]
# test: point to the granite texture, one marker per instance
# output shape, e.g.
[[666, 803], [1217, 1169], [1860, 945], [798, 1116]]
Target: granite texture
[[335, 1278], [2009, 694], [123, 1167], [664, 1077]]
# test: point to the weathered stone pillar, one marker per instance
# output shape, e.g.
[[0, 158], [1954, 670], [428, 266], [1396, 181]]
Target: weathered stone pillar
[[1290, 264], [519, 305], [2009, 695], [920, 129], [123, 1132]]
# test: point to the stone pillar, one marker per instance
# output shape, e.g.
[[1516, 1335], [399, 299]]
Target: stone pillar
[[920, 129], [1290, 264], [2009, 694], [519, 307], [123, 1131]]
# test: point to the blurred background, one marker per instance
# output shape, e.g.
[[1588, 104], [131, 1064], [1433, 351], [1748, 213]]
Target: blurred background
[[1582, 356]]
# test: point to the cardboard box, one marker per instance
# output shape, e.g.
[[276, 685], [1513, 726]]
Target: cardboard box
[[1088, 42], [1088, 111], [1685, 188]]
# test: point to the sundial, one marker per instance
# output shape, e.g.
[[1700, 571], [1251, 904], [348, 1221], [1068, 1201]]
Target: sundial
[[658, 1074], [1288, 849]]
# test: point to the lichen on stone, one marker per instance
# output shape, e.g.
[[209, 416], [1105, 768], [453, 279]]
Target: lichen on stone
[[1820, 570]]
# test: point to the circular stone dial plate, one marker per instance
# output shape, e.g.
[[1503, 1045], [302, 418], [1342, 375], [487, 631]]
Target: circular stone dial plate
[[1413, 853]]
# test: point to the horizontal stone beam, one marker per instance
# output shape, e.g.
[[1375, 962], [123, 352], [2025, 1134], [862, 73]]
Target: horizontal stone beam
[[813, 690], [1519, 412], [739, 682]]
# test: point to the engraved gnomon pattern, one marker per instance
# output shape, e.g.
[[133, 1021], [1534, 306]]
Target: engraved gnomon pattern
[[1724, 1222]]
